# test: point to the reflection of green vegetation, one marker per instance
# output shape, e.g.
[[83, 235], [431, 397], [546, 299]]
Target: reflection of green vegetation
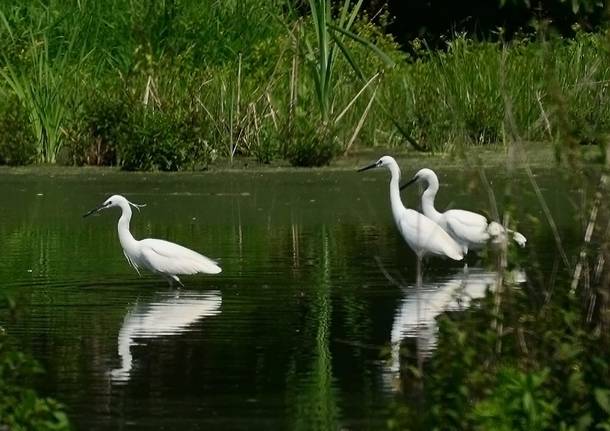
[[315, 399], [21, 408]]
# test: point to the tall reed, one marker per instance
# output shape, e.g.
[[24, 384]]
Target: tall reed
[[43, 83]]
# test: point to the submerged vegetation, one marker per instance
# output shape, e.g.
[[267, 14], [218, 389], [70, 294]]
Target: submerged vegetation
[[172, 85]]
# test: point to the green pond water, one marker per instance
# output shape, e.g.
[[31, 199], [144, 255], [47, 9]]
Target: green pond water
[[302, 328]]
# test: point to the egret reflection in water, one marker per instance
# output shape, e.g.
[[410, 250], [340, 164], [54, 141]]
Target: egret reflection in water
[[450, 294], [171, 314]]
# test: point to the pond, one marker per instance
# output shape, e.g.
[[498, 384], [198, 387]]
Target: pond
[[301, 330]]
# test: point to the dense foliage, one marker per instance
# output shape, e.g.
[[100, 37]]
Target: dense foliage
[[545, 369], [154, 86], [21, 408]]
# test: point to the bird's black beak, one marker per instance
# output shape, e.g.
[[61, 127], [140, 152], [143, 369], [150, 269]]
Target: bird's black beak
[[366, 168], [94, 210], [408, 183]]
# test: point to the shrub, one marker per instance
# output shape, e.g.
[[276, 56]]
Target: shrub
[[118, 129], [17, 142], [310, 144], [95, 138], [21, 408], [267, 145], [154, 140]]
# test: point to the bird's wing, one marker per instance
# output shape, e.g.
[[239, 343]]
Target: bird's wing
[[467, 227], [169, 258], [423, 234], [467, 218], [518, 237]]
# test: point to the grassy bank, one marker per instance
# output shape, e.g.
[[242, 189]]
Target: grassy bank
[[174, 86]]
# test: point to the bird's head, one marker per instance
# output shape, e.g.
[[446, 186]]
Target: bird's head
[[425, 174], [114, 201], [383, 161]]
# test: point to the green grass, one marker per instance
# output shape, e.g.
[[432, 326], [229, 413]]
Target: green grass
[[173, 85], [459, 97]]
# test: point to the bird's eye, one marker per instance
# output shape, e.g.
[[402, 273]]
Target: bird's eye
[[109, 202]]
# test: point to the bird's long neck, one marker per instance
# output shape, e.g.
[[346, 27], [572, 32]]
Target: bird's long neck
[[427, 199], [397, 206], [127, 240]]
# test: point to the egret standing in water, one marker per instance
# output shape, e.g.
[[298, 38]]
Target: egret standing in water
[[423, 235], [469, 229], [159, 256]]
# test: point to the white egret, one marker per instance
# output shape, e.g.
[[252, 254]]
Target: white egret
[[159, 256], [469, 229], [423, 235]]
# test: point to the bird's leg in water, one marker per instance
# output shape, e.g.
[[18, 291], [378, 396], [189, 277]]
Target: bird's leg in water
[[175, 277], [464, 283], [418, 286]]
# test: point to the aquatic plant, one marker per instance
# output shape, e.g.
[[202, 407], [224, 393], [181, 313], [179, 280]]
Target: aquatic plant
[[21, 408]]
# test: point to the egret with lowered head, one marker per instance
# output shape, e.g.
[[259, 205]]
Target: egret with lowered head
[[469, 229], [423, 235], [159, 256]]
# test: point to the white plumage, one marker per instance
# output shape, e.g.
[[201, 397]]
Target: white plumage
[[422, 234], [469, 229], [156, 255], [169, 258]]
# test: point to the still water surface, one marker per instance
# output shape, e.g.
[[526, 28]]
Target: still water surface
[[301, 330]]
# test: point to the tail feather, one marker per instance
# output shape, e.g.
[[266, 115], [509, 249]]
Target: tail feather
[[496, 232], [457, 255], [212, 269], [454, 252], [519, 238], [206, 266]]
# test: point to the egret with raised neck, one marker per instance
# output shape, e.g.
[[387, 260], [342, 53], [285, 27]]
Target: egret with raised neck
[[423, 235], [161, 257]]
